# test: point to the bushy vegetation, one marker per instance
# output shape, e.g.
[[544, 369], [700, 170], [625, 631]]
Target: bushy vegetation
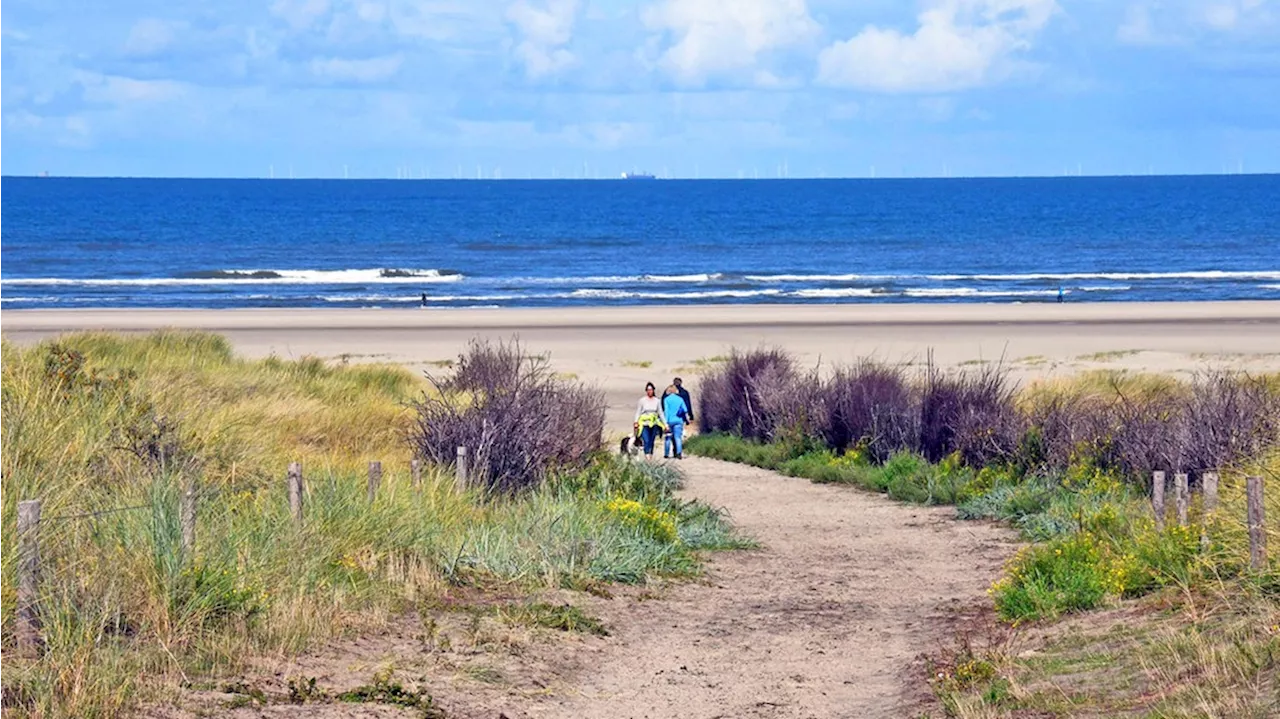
[[1116, 423], [96, 422], [518, 420], [1069, 465], [748, 394]]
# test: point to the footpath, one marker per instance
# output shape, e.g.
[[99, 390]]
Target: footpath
[[827, 619]]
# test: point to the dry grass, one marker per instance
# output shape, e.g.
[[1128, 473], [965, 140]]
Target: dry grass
[[1109, 356], [1205, 646], [1206, 654], [97, 422]]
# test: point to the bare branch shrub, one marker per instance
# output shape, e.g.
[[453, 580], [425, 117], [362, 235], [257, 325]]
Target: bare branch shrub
[[969, 412], [872, 404], [1066, 427], [516, 418], [1231, 417], [748, 394], [1131, 427]]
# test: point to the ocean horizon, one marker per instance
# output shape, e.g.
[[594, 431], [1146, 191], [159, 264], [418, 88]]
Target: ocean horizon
[[240, 243]]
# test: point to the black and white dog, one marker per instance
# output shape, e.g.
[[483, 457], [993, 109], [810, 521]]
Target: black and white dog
[[630, 446]]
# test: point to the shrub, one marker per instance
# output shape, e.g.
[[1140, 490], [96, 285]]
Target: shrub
[[869, 405], [1124, 424], [1065, 427], [970, 412], [1048, 580], [518, 419], [750, 394], [1150, 433], [1231, 418]]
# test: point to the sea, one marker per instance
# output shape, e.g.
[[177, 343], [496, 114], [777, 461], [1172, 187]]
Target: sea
[[442, 244]]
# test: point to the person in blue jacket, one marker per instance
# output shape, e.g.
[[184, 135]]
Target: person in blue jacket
[[675, 412]]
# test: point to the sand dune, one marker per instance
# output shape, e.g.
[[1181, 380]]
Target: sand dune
[[621, 348]]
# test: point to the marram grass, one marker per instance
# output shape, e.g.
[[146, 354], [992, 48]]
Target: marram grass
[[96, 421]]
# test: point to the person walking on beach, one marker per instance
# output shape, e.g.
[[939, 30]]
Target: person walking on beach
[[1061, 294], [684, 395], [675, 412], [424, 299], [649, 421]]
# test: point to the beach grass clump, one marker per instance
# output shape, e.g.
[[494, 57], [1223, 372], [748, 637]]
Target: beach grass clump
[[109, 432], [517, 418]]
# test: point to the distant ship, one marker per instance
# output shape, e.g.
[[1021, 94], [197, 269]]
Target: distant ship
[[638, 176]]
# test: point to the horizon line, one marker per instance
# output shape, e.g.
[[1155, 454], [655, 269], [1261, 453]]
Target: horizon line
[[873, 178]]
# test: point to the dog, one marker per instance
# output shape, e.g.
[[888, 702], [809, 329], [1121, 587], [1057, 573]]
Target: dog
[[630, 446]]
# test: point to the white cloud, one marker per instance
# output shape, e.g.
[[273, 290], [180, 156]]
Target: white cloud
[[373, 69], [545, 32], [1227, 16], [1137, 27], [150, 36], [959, 44], [447, 21], [60, 131], [22, 120], [300, 14], [1170, 22], [118, 90], [727, 37]]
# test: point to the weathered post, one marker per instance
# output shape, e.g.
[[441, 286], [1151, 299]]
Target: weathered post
[[28, 610], [1209, 495], [295, 491], [1181, 497], [1157, 498], [375, 479], [415, 473], [462, 469], [1257, 525], [188, 517], [1209, 488]]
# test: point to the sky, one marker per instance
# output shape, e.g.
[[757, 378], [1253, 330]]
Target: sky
[[679, 88]]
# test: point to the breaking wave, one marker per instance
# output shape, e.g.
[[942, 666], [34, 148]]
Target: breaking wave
[[259, 277]]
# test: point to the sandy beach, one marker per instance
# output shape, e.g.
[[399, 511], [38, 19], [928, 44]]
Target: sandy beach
[[619, 349]]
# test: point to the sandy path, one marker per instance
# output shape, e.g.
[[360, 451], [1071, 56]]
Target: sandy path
[[824, 621]]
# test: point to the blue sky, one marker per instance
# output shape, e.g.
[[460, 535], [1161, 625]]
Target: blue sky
[[381, 88]]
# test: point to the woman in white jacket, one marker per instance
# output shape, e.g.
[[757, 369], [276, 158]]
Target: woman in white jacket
[[649, 421]]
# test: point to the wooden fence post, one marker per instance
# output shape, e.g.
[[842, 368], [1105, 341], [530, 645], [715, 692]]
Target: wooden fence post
[[295, 491], [1209, 488], [375, 479], [1181, 497], [28, 609], [187, 515], [415, 473], [1209, 495], [1257, 525], [462, 469], [1157, 498]]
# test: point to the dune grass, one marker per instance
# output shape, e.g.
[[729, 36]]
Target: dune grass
[[95, 422], [1199, 631]]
